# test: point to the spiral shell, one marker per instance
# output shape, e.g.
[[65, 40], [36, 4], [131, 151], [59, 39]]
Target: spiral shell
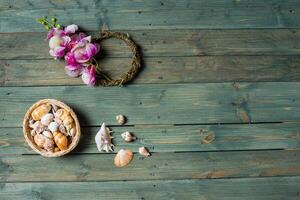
[[144, 151], [40, 111], [121, 119], [123, 158], [60, 140]]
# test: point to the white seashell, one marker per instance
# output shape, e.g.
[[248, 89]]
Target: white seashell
[[62, 129], [47, 119], [128, 137], [121, 119], [143, 151], [103, 139], [48, 134], [72, 132], [53, 126], [123, 158], [32, 133], [38, 127]]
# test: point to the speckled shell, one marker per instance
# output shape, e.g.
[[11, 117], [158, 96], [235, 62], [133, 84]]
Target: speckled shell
[[121, 119], [40, 111], [39, 140], [144, 151], [128, 137], [123, 158], [47, 119], [60, 140]]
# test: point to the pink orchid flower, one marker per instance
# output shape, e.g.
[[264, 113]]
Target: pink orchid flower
[[89, 75], [84, 50]]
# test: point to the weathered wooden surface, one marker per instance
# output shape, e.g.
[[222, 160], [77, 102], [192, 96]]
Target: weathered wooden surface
[[238, 188], [177, 138], [92, 15], [191, 165], [163, 103]]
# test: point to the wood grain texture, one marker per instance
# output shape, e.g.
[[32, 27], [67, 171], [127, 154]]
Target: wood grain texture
[[162, 103], [196, 165], [160, 70], [92, 15], [176, 138], [276, 188], [191, 42]]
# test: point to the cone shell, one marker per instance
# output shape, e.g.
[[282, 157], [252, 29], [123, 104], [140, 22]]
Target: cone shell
[[60, 140], [40, 111], [144, 151], [123, 158]]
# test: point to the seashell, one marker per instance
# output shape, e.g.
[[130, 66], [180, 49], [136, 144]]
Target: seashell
[[128, 137], [60, 140], [54, 108], [121, 119], [62, 129], [48, 134], [123, 158], [68, 120], [38, 127], [40, 111], [72, 132], [39, 140], [49, 145], [57, 120], [47, 119], [53, 126], [32, 133], [61, 114], [144, 151], [56, 149], [103, 139]]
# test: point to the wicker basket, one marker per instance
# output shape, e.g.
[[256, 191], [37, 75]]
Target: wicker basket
[[29, 139]]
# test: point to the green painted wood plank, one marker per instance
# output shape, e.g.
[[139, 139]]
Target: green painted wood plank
[[196, 165], [176, 138], [162, 103], [276, 188], [160, 70], [169, 43], [91, 15]]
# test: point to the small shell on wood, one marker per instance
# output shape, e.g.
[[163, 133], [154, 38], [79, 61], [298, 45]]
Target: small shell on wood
[[49, 145], [47, 119], [40, 111], [121, 119], [60, 140], [103, 139], [123, 158], [39, 140], [48, 134], [128, 137], [144, 151], [53, 126]]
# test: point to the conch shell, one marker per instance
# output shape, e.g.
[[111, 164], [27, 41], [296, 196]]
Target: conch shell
[[121, 119], [144, 151], [123, 158], [128, 137], [60, 140], [103, 139], [40, 111]]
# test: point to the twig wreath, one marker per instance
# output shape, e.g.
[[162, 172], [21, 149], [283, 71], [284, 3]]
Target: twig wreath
[[79, 51]]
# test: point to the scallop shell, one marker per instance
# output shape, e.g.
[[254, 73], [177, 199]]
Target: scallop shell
[[144, 151], [40, 111], [121, 119], [103, 139], [47, 119], [60, 140], [123, 158], [53, 126], [128, 137], [39, 140], [49, 145], [48, 134]]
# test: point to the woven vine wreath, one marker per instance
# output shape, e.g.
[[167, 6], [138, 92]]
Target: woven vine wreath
[[79, 52]]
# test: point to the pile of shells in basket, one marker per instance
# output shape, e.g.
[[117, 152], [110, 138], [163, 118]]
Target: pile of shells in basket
[[51, 128]]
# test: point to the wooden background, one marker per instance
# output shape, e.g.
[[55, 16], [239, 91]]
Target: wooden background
[[230, 68]]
